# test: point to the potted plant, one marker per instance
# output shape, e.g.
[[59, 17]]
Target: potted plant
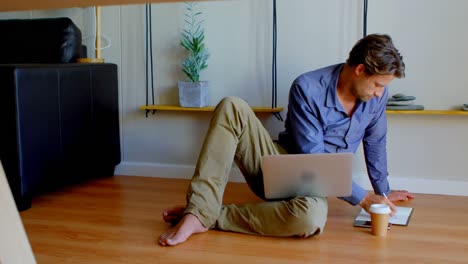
[[193, 93]]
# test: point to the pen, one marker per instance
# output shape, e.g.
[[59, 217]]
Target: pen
[[393, 212]]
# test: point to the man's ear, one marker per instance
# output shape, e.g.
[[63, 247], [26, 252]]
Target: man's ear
[[360, 69]]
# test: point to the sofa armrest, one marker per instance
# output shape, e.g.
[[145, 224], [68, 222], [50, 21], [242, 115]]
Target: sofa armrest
[[62, 124], [44, 40]]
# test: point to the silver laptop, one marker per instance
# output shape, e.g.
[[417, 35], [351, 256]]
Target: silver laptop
[[322, 175]]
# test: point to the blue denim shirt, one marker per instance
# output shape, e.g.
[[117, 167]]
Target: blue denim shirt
[[317, 123]]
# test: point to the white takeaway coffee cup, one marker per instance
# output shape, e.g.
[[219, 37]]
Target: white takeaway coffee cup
[[380, 215]]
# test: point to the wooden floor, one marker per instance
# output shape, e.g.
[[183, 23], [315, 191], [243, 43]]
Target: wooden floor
[[118, 220]]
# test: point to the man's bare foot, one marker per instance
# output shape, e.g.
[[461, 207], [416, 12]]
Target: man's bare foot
[[188, 225], [173, 215]]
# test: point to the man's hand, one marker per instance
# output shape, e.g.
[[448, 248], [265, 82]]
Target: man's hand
[[372, 198], [400, 195]]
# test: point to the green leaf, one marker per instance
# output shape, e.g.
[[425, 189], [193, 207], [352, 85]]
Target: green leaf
[[186, 43], [192, 39], [185, 34]]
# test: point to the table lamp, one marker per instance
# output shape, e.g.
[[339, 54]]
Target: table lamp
[[97, 58]]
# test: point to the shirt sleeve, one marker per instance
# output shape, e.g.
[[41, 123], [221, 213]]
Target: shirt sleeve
[[306, 130], [375, 153], [357, 194], [375, 149]]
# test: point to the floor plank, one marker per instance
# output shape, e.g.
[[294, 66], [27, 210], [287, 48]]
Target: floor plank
[[118, 219]]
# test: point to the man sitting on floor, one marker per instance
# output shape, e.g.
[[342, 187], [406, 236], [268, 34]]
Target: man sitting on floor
[[330, 110]]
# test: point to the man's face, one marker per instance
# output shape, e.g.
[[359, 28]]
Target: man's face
[[366, 87]]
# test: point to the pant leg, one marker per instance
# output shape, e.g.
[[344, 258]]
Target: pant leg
[[300, 216], [234, 133]]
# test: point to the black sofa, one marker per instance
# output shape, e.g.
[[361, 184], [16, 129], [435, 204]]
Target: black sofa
[[59, 119]]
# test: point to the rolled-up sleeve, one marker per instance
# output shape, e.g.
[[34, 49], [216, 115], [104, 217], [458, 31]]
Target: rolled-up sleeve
[[357, 194]]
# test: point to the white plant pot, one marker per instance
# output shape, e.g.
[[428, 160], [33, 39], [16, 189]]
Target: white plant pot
[[193, 94]]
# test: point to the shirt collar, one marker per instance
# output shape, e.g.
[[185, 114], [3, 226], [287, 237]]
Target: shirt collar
[[332, 98]]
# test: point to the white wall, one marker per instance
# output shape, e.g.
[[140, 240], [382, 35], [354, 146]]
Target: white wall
[[431, 37], [425, 153], [239, 38]]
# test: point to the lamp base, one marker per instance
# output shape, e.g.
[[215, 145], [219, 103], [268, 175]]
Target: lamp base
[[90, 60]]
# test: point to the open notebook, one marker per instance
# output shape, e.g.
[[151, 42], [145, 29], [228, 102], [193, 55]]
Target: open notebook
[[402, 216]]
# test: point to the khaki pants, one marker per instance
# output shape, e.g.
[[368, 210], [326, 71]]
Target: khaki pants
[[235, 133]]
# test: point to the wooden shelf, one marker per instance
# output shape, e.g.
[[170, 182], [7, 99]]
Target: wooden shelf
[[426, 112], [54, 4], [279, 109], [204, 109]]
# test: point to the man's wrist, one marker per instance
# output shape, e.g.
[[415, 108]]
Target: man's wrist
[[363, 201]]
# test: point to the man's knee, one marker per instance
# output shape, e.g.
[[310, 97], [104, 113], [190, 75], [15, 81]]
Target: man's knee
[[231, 101], [309, 216], [234, 109]]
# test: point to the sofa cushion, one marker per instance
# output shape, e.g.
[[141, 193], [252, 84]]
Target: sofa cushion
[[49, 40]]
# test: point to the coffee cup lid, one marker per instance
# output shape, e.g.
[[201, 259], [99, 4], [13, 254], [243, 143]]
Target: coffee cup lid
[[380, 209]]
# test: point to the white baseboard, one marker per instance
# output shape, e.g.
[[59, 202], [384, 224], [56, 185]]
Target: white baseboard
[[174, 171], [418, 185]]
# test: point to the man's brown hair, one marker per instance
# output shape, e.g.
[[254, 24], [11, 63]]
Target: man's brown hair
[[378, 55]]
